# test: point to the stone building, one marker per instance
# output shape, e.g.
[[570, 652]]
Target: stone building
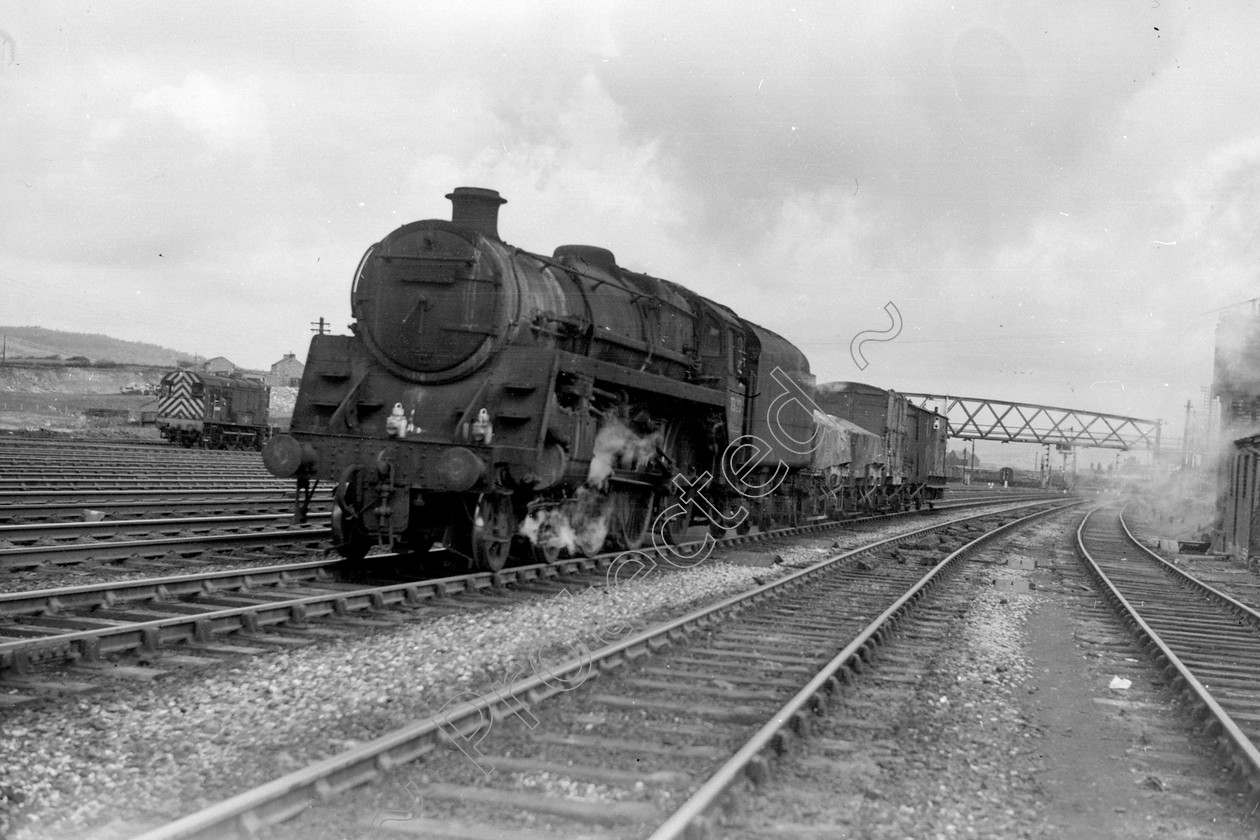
[[219, 366], [286, 373], [1239, 517], [1236, 384]]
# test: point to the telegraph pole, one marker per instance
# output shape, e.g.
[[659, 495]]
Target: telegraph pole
[[1187, 458], [321, 326]]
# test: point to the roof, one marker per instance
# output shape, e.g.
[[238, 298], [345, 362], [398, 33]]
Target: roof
[[840, 387]]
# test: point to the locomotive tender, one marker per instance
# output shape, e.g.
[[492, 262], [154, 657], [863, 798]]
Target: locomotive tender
[[213, 412], [491, 397]]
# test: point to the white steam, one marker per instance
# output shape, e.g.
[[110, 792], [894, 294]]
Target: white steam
[[617, 447], [580, 524]]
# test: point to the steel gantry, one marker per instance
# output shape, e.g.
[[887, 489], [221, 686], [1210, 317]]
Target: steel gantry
[[972, 418]]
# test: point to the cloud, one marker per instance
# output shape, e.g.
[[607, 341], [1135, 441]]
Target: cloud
[[1221, 194], [959, 123], [582, 179], [999, 172], [229, 118]]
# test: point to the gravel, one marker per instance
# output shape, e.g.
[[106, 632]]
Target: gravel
[[951, 757], [155, 751], [1015, 727], [90, 575]]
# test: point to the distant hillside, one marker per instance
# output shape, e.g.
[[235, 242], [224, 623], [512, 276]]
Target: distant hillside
[[38, 343]]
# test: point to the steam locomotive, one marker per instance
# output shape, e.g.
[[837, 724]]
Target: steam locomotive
[[212, 412], [496, 400]]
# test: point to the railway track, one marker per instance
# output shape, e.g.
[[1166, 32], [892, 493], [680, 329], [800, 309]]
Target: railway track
[[164, 549], [269, 604], [66, 447], [14, 502], [70, 506], [27, 471], [54, 542], [718, 694], [1206, 642], [26, 439], [36, 475], [111, 461], [45, 534], [130, 482]]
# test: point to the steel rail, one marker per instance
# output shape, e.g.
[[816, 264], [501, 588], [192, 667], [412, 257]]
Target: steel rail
[[73, 457], [44, 485], [63, 443], [1235, 743], [14, 500], [1182, 576], [49, 514], [203, 626], [34, 557], [29, 556], [10, 500], [18, 534], [772, 739], [246, 813], [93, 643], [99, 461], [114, 593], [16, 603], [36, 472]]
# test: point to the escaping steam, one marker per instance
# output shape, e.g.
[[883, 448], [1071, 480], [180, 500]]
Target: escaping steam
[[616, 446], [580, 524]]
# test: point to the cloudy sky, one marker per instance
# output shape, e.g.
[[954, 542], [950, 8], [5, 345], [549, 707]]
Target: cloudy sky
[[1055, 196]]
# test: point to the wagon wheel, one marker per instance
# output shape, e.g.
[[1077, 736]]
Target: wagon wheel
[[729, 511], [544, 552], [351, 539], [631, 518], [490, 537], [780, 513], [543, 548], [673, 520], [589, 535]]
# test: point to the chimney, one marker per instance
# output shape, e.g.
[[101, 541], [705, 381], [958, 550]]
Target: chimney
[[476, 208]]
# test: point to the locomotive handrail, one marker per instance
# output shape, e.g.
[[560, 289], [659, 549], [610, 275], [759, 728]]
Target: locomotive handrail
[[358, 274], [602, 281], [569, 268]]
